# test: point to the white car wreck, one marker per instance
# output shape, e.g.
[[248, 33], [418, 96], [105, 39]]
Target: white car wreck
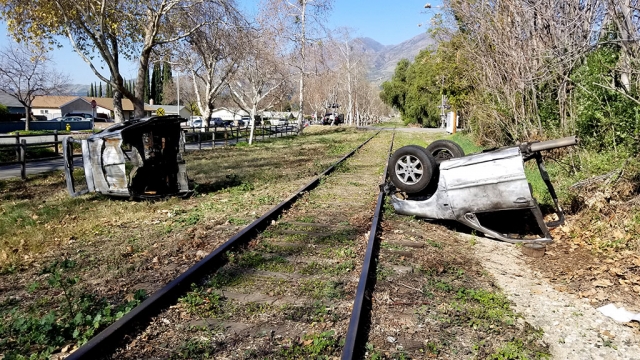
[[137, 159], [439, 182]]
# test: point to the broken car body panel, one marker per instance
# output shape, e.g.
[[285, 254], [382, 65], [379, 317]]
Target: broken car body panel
[[483, 183], [153, 166]]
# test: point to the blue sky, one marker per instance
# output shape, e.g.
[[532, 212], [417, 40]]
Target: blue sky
[[388, 22]]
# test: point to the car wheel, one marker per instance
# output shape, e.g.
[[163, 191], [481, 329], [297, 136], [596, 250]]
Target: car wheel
[[442, 150], [411, 168]]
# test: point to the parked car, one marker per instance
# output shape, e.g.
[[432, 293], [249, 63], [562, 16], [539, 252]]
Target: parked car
[[279, 122], [216, 121], [331, 118], [102, 117], [73, 118], [57, 119], [84, 116]]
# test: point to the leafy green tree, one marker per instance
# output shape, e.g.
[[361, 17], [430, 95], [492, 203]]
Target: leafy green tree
[[394, 92], [605, 116]]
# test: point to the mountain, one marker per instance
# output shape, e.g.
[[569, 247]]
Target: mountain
[[78, 89], [386, 57]]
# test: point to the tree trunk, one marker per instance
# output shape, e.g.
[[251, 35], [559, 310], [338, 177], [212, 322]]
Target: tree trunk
[[118, 114], [253, 124], [303, 40], [27, 118], [138, 100]]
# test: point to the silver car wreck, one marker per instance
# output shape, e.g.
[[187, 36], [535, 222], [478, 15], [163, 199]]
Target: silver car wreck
[[470, 187], [135, 159]]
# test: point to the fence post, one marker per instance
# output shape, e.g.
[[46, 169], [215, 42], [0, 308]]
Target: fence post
[[17, 146], [23, 161], [55, 139], [199, 141], [213, 137], [237, 134], [262, 124]]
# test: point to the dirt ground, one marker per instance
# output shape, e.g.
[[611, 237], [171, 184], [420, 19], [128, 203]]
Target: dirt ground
[[572, 326]]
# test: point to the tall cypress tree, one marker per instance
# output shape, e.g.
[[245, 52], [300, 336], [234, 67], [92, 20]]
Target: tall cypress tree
[[100, 90], [147, 90], [167, 77], [156, 84], [92, 91]]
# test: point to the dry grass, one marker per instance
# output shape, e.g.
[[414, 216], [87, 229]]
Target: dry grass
[[119, 246]]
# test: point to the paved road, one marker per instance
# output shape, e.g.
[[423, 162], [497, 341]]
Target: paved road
[[36, 167]]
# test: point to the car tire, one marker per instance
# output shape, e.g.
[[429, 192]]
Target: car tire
[[442, 150], [411, 168]]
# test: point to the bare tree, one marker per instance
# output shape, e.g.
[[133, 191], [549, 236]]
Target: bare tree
[[260, 72], [299, 22], [25, 72], [211, 53]]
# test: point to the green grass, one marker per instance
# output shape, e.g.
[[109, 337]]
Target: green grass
[[313, 346], [73, 317], [466, 142]]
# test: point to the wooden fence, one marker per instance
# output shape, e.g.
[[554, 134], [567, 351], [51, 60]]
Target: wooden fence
[[222, 135]]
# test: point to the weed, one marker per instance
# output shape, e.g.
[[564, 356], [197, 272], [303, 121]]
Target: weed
[[236, 221], [373, 353], [203, 302], [315, 346], [383, 273], [434, 244], [516, 350], [432, 348], [76, 320], [200, 348], [306, 219], [317, 312], [319, 289]]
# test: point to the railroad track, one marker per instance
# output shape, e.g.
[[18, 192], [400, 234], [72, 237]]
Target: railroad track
[[284, 286]]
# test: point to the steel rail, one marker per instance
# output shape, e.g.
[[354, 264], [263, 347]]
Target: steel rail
[[355, 333], [105, 342]]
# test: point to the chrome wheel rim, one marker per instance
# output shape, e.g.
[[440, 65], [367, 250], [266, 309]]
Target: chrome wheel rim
[[409, 170]]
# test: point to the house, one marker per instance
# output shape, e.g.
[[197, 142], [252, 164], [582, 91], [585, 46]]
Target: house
[[56, 106], [228, 114], [183, 111], [105, 106], [14, 106]]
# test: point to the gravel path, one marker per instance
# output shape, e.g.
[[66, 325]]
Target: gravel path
[[572, 327]]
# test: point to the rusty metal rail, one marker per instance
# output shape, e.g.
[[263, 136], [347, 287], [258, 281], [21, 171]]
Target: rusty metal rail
[[358, 324], [105, 342]]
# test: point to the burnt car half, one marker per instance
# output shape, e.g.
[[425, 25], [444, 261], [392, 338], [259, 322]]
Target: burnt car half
[[481, 191], [137, 159]]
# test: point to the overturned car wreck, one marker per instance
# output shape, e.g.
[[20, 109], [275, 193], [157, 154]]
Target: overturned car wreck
[[135, 159], [482, 191]]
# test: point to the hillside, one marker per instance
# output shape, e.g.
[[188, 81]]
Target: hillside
[[385, 58]]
